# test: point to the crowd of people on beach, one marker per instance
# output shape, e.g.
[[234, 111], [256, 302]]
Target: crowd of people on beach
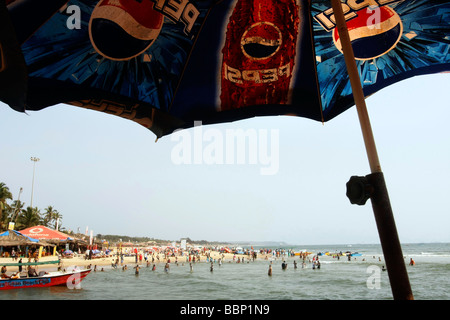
[[143, 257], [150, 259]]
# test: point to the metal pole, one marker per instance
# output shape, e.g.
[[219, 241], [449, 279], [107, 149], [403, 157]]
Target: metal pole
[[384, 217], [17, 204], [34, 159]]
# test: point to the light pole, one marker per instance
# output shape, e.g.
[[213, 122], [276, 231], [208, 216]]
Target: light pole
[[17, 204], [34, 159]]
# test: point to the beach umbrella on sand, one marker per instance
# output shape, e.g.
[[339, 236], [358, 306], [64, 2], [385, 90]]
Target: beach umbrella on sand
[[209, 65]]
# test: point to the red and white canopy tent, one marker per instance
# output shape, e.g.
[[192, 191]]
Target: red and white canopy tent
[[49, 235], [45, 233]]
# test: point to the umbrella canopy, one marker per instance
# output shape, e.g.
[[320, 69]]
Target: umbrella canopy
[[15, 238], [126, 59], [45, 233]]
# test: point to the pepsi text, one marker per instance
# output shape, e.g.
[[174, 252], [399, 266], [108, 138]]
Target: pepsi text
[[350, 8]]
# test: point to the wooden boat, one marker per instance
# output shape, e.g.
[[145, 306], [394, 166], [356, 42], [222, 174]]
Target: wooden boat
[[57, 278], [71, 279]]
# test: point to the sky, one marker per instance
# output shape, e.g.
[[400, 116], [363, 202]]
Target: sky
[[108, 174]]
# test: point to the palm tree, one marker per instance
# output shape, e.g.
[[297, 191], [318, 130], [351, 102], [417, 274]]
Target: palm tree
[[57, 216], [29, 217], [4, 195], [47, 217], [15, 208], [51, 216]]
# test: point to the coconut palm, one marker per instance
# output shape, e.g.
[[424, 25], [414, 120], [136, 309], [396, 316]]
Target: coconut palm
[[57, 216], [15, 208], [50, 217], [47, 217], [4, 195], [28, 217]]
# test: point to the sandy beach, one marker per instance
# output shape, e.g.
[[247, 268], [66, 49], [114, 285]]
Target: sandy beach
[[80, 261]]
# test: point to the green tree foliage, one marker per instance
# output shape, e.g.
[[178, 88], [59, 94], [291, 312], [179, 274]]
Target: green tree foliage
[[5, 194], [29, 217], [51, 217], [25, 218]]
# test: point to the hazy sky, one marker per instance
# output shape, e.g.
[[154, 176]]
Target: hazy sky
[[108, 173]]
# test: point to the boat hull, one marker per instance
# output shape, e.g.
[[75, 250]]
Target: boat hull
[[70, 279]]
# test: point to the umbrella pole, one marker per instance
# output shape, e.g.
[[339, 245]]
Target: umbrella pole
[[379, 197]]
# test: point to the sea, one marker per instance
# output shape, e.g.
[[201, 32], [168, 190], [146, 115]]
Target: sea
[[360, 278]]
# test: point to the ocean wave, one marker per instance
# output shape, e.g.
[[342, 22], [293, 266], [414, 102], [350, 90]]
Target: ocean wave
[[435, 254]]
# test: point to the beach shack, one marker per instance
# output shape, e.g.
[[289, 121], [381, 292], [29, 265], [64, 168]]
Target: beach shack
[[15, 244], [63, 242]]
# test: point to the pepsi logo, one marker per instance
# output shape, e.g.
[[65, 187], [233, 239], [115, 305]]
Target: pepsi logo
[[123, 29], [373, 33], [261, 41]]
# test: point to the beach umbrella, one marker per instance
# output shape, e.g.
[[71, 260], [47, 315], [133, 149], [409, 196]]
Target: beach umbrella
[[170, 67]]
